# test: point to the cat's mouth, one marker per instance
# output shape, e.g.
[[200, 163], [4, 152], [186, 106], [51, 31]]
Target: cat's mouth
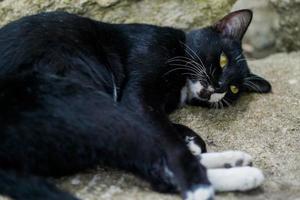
[[213, 98], [195, 91]]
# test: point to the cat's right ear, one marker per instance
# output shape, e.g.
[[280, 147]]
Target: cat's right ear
[[255, 83], [235, 24]]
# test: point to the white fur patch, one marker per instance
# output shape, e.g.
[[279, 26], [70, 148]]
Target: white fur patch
[[201, 193], [225, 159], [210, 88], [193, 147], [215, 97], [194, 89], [183, 96], [235, 179]]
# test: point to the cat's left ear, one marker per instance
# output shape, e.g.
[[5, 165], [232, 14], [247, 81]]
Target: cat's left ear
[[235, 24], [255, 83]]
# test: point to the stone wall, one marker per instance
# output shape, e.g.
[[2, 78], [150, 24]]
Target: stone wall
[[288, 32], [260, 38], [184, 14]]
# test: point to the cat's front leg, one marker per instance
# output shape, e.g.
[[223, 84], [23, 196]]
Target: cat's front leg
[[182, 167], [228, 170], [190, 174], [226, 159], [235, 179], [193, 141], [231, 171], [197, 147]]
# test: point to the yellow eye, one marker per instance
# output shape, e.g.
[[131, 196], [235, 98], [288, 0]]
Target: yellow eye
[[223, 60], [234, 89]]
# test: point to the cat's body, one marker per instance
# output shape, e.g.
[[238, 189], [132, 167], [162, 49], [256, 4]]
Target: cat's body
[[75, 93]]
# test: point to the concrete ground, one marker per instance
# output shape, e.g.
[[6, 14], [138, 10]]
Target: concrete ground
[[266, 126]]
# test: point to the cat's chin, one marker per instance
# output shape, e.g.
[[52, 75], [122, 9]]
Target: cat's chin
[[199, 102], [206, 104]]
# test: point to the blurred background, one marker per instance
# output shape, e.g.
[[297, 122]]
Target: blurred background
[[275, 25]]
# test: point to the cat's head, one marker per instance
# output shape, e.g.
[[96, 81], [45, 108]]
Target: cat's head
[[216, 68]]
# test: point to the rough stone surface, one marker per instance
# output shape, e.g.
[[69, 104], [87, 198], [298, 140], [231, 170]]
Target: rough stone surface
[[178, 13], [266, 126], [288, 32]]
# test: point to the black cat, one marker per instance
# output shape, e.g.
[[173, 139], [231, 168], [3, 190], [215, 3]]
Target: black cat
[[76, 93]]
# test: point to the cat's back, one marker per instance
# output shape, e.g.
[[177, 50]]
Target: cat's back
[[49, 26], [57, 44], [25, 41]]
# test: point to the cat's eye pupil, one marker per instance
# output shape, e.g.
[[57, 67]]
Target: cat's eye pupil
[[223, 60], [234, 89]]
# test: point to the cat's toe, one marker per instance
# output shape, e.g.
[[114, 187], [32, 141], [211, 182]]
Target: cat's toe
[[238, 159]]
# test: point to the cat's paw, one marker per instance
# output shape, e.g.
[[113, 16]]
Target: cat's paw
[[201, 192], [226, 159], [235, 179]]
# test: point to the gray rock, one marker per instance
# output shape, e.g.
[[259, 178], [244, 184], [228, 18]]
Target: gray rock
[[182, 14], [288, 32], [266, 126], [260, 38]]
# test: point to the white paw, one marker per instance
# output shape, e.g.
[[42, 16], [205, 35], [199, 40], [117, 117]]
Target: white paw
[[193, 147], [235, 179], [202, 192], [226, 159]]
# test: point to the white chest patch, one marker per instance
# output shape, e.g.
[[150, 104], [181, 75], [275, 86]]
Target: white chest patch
[[183, 96], [190, 91], [194, 88]]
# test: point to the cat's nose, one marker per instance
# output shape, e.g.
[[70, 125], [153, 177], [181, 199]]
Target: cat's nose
[[205, 94], [221, 88]]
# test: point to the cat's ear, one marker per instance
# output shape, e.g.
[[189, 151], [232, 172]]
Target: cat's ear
[[255, 83], [235, 24]]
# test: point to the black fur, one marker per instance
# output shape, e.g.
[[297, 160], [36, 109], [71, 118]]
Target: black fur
[[75, 93]]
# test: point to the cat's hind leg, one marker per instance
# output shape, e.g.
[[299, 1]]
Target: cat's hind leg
[[69, 129], [20, 187]]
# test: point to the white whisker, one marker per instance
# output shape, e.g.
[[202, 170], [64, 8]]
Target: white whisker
[[191, 51], [240, 60], [187, 68], [239, 56], [255, 88], [226, 102]]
